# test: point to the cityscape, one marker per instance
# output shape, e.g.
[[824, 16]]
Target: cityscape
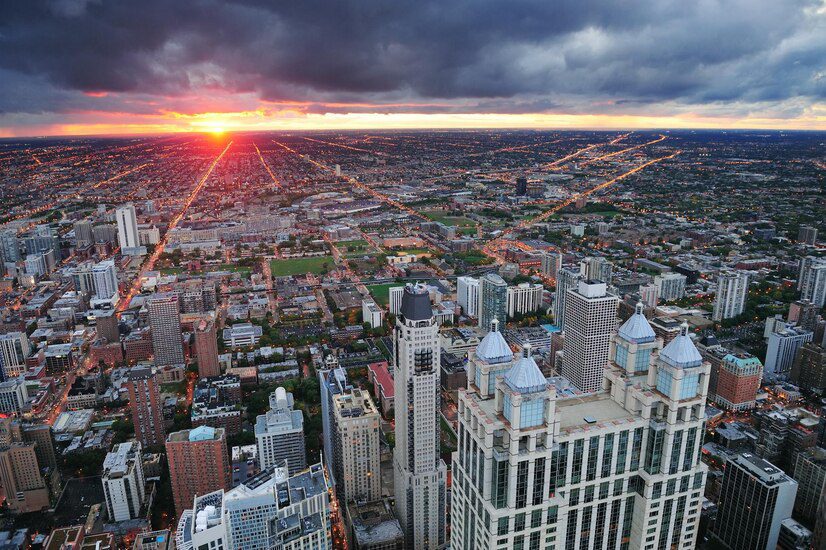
[[353, 310]]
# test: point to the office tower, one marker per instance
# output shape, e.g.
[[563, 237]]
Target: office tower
[[105, 277], [809, 368], [670, 285], [146, 406], [732, 288], [356, 423], [596, 268], [395, 299], [536, 468], [9, 246], [551, 263], [807, 235], [467, 295], [206, 347], [590, 321], [14, 349], [493, 299], [332, 381], [105, 233], [738, 381], [127, 227], [812, 280], [106, 325], [521, 186], [782, 350], [756, 496], [810, 474], [523, 298], [566, 279], [280, 433], [420, 475], [83, 234], [198, 464], [123, 481], [165, 322], [20, 477], [270, 510], [650, 295]]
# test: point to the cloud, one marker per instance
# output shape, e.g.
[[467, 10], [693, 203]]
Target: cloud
[[427, 56]]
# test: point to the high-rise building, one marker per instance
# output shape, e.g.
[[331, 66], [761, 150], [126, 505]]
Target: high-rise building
[[732, 288], [9, 246], [14, 349], [523, 298], [566, 279], [146, 406], [738, 381], [20, 477], [356, 450], [41, 436], [590, 321], [106, 325], [809, 368], [420, 474], [270, 510], [105, 277], [803, 313], [467, 295], [280, 433], [619, 469], [812, 280], [551, 263], [198, 464], [671, 286], [394, 295], [493, 299], [165, 322], [332, 381], [83, 234], [755, 497], [596, 268], [810, 474], [650, 295], [807, 234], [206, 347], [123, 481], [521, 186], [782, 350], [127, 227]]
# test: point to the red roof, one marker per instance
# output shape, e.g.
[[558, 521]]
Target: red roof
[[382, 377]]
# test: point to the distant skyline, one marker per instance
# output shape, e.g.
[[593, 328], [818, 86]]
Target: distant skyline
[[83, 67]]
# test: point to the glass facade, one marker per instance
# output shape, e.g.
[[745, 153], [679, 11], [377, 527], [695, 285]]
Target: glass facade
[[532, 413]]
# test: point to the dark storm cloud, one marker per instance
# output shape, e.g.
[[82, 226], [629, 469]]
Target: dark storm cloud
[[502, 56]]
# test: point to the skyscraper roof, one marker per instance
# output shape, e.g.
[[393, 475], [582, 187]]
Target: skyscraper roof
[[493, 348], [416, 303], [525, 376], [637, 329], [681, 351]]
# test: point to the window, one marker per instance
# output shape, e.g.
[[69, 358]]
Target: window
[[643, 360], [622, 356], [502, 528], [532, 413], [690, 386], [664, 380]]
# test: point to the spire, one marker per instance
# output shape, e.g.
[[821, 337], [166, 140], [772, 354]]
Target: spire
[[525, 376], [637, 329], [493, 348]]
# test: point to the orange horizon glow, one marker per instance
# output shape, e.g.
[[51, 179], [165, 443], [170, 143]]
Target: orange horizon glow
[[218, 123]]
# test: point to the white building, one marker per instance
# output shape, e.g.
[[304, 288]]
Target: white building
[[524, 298], [14, 349], [279, 433], [590, 322], [596, 268], [650, 295], [671, 286], [618, 469], [551, 263], [732, 288], [123, 481], [812, 280], [395, 299], [782, 350], [356, 446], [372, 313], [149, 235], [420, 474], [270, 510], [242, 335], [35, 264], [128, 237], [105, 277], [467, 294]]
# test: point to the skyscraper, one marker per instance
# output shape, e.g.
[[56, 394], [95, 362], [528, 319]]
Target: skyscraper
[[732, 288], [551, 263], [807, 234], [756, 496], [14, 349], [356, 450], [128, 237], [782, 349], [493, 292], [146, 406], [394, 295], [812, 280], [20, 477], [566, 279], [467, 295], [521, 186], [198, 464], [420, 475], [105, 277], [590, 321], [206, 347], [280, 433], [671, 285], [123, 481], [83, 234], [596, 268], [738, 381], [165, 322], [9, 246], [809, 368], [523, 298]]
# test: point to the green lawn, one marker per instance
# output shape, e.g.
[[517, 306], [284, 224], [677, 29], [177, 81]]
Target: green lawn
[[445, 218], [300, 266]]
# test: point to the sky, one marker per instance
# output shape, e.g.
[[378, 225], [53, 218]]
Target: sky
[[76, 67]]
